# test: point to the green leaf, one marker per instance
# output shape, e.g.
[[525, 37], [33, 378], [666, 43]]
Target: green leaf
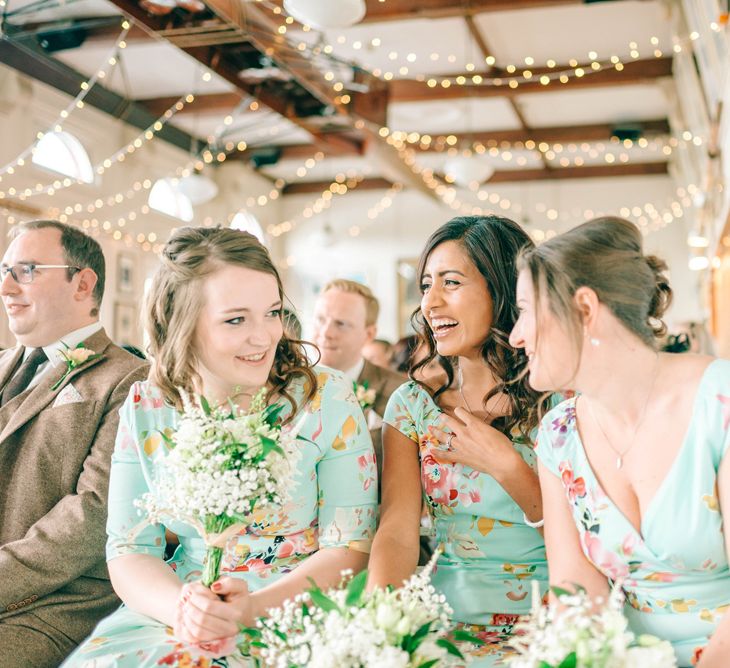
[[166, 438], [321, 600], [559, 591], [269, 446], [204, 405], [465, 636], [570, 661], [254, 633], [545, 664], [355, 588], [449, 647], [428, 664], [271, 414]]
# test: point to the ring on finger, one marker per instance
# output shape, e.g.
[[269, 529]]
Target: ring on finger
[[449, 446]]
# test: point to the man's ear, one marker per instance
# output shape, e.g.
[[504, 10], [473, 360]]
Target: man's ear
[[586, 301], [87, 283], [370, 332]]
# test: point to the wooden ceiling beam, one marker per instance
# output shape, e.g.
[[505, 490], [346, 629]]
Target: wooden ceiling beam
[[510, 176], [634, 72], [551, 135], [214, 103], [311, 187], [404, 10], [585, 172]]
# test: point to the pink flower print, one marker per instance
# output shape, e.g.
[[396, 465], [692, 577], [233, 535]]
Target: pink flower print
[[627, 547], [725, 401], [575, 487], [439, 480], [474, 496], [605, 561]]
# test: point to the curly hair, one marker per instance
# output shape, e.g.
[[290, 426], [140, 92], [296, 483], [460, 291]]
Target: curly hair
[[174, 302], [493, 245]]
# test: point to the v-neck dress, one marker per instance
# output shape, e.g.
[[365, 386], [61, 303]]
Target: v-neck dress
[[489, 555], [675, 571]]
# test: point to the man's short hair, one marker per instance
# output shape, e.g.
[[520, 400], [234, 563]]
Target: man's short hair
[[372, 308], [79, 250]]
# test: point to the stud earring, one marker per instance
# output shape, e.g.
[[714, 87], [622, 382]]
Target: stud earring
[[595, 342]]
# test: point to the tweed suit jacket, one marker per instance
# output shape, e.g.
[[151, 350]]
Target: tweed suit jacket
[[55, 453], [384, 382]]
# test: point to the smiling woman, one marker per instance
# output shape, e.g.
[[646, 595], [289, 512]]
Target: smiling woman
[[213, 317], [460, 437]]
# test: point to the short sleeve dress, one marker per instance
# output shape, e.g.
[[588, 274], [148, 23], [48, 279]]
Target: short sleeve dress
[[489, 554], [675, 571], [333, 504]]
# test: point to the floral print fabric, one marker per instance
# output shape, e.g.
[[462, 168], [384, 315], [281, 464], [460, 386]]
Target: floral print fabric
[[333, 504], [675, 570], [489, 554]]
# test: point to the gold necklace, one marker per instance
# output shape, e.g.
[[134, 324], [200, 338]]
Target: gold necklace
[[620, 455]]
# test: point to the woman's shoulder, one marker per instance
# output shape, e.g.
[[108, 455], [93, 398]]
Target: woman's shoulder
[[146, 397], [557, 428]]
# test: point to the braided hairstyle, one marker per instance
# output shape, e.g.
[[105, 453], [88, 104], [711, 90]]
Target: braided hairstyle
[[174, 303]]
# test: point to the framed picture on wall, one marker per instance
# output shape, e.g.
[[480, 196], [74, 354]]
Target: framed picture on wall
[[125, 272], [409, 294], [125, 323]]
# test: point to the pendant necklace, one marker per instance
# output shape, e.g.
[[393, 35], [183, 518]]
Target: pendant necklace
[[620, 455]]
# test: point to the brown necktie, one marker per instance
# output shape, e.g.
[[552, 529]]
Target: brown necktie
[[24, 375]]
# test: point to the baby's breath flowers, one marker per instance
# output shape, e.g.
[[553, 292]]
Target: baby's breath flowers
[[579, 632], [346, 627], [223, 464]]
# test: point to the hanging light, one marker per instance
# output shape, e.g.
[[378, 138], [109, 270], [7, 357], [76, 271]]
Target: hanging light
[[61, 152], [468, 170], [326, 15], [165, 197], [198, 188], [247, 222]]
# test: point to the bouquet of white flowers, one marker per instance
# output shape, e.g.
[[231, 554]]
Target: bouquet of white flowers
[[346, 627], [582, 633], [223, 465]]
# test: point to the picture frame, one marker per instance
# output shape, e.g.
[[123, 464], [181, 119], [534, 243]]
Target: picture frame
[[125, 323], [409, 294], [125, 272]]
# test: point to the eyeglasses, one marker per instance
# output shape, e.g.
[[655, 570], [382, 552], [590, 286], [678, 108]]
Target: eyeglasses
[[23, 273]]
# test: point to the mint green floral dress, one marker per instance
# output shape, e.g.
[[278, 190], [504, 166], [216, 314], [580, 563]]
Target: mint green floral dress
[[333, 504], [489, 554], [675, 571]]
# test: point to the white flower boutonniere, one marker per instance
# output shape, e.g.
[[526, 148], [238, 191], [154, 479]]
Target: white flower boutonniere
[[365, 395], [74, 358]]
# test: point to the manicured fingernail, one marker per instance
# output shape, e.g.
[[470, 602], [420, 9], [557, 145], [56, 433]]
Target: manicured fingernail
[[215, 586]]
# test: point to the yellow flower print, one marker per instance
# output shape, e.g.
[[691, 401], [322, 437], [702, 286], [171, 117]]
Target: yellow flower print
[[349, 428]]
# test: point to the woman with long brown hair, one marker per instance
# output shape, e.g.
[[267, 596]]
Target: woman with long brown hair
[[460, 438], [214, 321], [634, 473]]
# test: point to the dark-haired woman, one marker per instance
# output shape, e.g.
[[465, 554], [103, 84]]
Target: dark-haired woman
[[633, 470], [214, 319], [461, 438]]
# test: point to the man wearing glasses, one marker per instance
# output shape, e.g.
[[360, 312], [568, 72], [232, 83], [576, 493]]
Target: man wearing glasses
[[58, 424]]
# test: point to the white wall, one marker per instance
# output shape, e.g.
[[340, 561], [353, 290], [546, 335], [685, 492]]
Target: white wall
[[401, 230]]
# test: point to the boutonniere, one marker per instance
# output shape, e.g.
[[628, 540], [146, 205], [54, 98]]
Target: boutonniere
[[364, 394], [74, 358]]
